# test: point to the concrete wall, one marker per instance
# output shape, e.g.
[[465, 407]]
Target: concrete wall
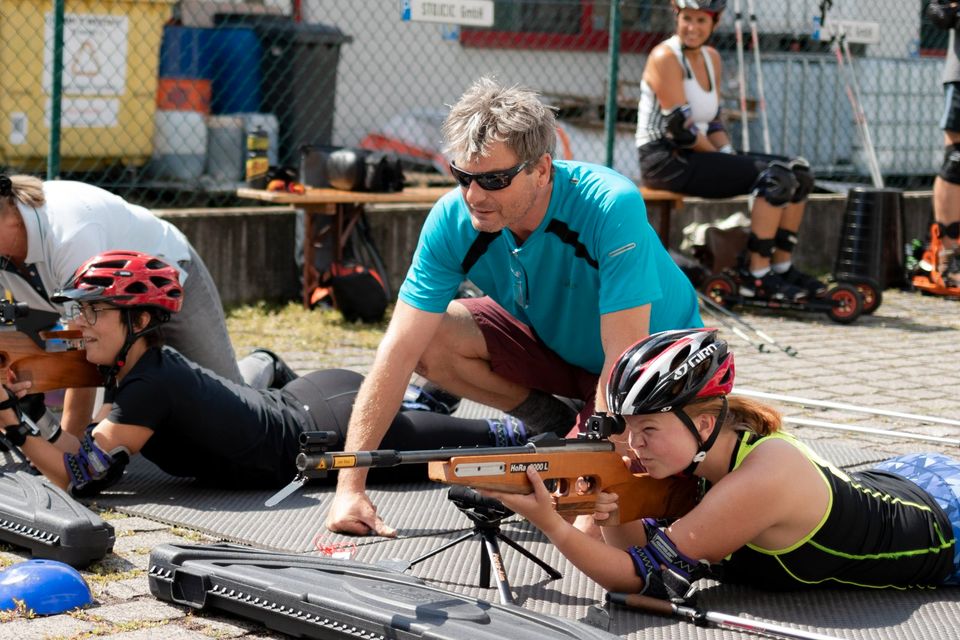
[[250, 251]]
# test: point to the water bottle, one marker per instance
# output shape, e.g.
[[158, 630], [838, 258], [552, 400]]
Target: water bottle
[[258, 163]]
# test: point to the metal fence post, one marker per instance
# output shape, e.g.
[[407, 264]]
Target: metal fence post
[[56, 92], [610, 113]]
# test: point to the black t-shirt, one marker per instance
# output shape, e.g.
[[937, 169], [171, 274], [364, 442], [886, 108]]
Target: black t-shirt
[[206, 426]]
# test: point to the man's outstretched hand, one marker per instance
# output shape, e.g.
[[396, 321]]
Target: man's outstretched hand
[[353, 513]]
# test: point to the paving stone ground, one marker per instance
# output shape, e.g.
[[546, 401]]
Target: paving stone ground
[[900, 359]]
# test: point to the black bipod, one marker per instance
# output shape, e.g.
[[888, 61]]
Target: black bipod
[[486, 515]]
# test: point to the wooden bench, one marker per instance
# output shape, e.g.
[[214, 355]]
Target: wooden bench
[[665, 203]]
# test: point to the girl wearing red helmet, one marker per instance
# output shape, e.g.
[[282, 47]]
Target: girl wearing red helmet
[[772, 513], [684, 147], [186, 419]]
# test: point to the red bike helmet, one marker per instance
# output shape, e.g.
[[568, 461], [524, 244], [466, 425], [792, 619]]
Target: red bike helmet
[[667, 370], [126, 279]]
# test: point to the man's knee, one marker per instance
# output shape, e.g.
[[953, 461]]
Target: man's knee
[[458, 335]]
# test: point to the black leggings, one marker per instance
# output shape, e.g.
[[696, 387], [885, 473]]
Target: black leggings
[[330, 394], [704, 174]]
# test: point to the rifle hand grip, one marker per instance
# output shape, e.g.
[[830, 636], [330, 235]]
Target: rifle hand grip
[[639, 495]]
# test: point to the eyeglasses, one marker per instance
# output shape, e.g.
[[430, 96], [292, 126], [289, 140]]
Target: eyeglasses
[[520, 288], [88, 312], [489, 180]]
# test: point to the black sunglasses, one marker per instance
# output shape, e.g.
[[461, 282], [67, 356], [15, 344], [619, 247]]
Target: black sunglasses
[[488, 181]]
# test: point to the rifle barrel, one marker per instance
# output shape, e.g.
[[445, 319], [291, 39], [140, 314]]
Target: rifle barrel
[[309, 463]]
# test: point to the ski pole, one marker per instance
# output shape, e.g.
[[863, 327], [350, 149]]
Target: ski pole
[[761, 347], [867, 138], [828, 404], [741, 77], [842, 50], [702, 618], [762, 104], [713, 304], [906, 435]]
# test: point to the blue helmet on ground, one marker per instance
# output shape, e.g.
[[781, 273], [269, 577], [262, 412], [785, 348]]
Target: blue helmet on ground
[[47, 587]]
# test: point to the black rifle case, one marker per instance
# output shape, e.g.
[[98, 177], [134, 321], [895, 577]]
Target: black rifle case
[[43, 518], [318, 597]]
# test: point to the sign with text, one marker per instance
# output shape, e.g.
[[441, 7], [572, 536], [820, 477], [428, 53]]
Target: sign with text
[[472, 13], [855, 32]]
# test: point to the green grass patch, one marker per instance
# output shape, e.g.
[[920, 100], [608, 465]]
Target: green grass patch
[[286, 328]]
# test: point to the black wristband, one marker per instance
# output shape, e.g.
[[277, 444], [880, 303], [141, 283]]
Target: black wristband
[[32, 405], [17, 433]]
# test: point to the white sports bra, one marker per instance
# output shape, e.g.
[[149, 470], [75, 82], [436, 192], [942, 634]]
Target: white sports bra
[[703, 103]]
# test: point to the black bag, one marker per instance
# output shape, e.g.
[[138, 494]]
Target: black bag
[[356, 291], [364, 170], [943, 14]]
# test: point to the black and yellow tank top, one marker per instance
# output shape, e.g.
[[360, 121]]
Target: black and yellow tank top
[[880, 530]]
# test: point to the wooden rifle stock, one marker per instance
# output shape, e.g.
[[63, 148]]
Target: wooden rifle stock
[[561, 463], [47, 370], [639, 495]]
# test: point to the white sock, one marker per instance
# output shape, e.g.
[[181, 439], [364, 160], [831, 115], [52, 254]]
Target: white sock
[[782, 267]]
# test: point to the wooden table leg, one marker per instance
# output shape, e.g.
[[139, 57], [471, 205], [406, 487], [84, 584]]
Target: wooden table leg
[[664, 210], [311, 277], [308, 271]]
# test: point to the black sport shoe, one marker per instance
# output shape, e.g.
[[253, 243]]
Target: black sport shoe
[[805, 281], [429, 397], [282, 374], [769, 287]]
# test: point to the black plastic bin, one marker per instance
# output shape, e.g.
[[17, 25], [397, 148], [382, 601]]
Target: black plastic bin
[[298, 67], [871, 238]]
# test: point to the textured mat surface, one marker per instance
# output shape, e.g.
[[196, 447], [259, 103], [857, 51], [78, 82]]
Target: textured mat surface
[[426, 520]]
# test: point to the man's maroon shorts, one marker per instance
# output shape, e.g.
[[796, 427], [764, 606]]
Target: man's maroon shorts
[[518, 355]]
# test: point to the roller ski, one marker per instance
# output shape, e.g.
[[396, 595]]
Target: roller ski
[[938, 271], [842, 302]]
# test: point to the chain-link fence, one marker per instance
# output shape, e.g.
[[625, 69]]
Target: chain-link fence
[[158, 95]]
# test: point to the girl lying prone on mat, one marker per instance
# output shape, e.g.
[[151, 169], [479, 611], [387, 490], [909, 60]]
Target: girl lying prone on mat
[[187, 420], [772, 513]]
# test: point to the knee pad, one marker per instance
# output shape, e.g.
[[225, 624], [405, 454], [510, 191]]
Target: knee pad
[[763, 247], [804, 176], [951, 230], [785, 239], [777, 184], [950, 169]]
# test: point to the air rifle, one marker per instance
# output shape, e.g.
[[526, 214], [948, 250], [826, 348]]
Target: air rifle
[[575, 470], [25, 350]]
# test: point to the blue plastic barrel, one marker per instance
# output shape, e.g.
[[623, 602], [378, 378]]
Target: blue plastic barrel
[[185, 52], [235, 60]]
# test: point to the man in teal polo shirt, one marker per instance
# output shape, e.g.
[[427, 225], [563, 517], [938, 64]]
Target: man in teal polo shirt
[[571, 270]]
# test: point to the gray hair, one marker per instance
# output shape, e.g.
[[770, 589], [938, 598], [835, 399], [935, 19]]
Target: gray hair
[[488, 113]]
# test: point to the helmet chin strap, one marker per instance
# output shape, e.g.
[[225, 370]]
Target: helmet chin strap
[[110, 373], [702, 445]]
